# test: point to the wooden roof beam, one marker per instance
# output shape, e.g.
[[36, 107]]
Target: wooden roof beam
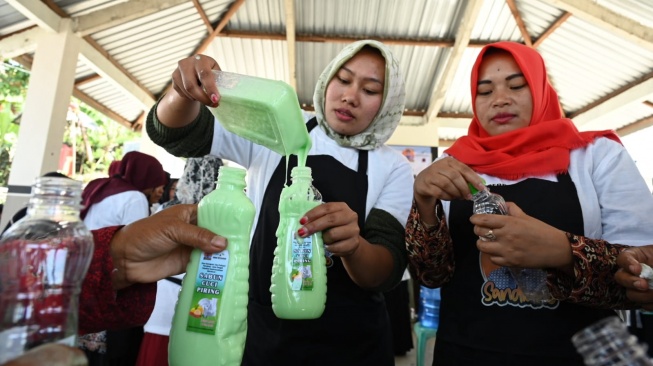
[[471, 12], [607, 19], [520, 22], [115, 15]]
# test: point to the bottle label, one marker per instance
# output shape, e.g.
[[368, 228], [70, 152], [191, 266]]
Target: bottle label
[[207, 294], [301, 275]]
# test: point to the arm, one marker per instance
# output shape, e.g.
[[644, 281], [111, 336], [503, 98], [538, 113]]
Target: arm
[[120, 285], [192, 140], [593, 282], [179, 120], [580, 270], [637, 289], [430, 250], [385, 231]]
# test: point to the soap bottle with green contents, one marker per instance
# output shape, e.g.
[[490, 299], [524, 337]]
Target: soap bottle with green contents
[[210, 321], [299, 267]]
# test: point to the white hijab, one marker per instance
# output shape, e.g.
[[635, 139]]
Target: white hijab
[[392, 106]]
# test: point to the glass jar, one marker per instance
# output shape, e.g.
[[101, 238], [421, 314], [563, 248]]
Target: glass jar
[[43, 260]]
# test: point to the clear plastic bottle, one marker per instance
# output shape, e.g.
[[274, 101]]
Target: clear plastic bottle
[[43, 260], [429, 310], [608, 343], [210, 321], [299, 269], [531, 281]]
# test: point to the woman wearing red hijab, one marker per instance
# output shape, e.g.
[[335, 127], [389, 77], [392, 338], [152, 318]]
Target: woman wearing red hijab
[[563, 187]]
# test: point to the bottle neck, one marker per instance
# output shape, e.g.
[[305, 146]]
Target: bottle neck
[[231, 178], [480, 195], [57, 199], [301, 175]]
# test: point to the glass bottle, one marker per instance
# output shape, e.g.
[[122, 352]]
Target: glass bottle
[[43, 260], [210, 321], [531, 281], [299, 268], [608, 343]]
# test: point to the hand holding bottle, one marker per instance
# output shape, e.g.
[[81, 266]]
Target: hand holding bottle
[[629, 262], [338, 224], [159, 246], [445, 179], [522, 240]]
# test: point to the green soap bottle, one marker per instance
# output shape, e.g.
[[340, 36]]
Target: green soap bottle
[[210, 322], [299, 268]]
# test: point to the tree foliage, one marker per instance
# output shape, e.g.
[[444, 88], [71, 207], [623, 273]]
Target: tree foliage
[[95, 139]]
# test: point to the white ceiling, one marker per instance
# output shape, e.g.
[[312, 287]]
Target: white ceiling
[[599, 53]]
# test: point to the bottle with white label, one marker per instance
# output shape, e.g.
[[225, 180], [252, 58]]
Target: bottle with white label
[[299, 267], [210, 322]]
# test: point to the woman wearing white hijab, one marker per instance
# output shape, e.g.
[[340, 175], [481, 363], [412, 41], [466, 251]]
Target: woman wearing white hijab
[[366, 187]]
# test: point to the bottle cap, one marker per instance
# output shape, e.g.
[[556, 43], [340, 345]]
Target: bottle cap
[[472, 188]]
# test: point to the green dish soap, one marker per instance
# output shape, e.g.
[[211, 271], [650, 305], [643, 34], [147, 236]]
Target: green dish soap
[[299, 268], [210, 322]]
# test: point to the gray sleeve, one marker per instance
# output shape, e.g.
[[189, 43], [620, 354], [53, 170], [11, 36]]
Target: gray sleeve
[[193, 140], [381, 228]]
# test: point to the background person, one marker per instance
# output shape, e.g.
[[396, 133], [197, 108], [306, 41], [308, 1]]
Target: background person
[[120, 199], [565, 186]]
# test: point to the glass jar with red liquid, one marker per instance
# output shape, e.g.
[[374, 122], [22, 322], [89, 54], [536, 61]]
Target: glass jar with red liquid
[[43, 260]]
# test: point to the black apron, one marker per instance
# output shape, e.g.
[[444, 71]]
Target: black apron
[[354, 328], [480, 323]]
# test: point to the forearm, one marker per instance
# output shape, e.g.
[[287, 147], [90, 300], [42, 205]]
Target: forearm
[[175, 111], [383, 257], [592, 283], [191, 140], [370, 265], [430, 250], [426, 209]]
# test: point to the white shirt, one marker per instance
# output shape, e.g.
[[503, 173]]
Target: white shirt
[[119, 209], [614, 198]]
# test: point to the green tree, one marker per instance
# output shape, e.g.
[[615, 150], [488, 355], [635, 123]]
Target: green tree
[[95, 139], [13, 82]]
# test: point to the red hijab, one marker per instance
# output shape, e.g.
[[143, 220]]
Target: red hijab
[[136, 172], [542, 147]]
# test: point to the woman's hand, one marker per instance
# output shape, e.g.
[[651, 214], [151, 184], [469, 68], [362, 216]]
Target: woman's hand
[[338, 224], [628, 274], [368, 265], [160, 245], [522, 241], [193, 84], [194, 79], [445, 179]]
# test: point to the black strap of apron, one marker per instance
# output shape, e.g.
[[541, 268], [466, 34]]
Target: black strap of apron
[[362, 170]]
